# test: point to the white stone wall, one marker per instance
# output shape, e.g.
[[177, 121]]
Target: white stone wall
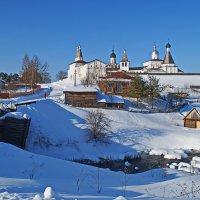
[[124, 66], [112, 60], [95, 67], [181, 81]]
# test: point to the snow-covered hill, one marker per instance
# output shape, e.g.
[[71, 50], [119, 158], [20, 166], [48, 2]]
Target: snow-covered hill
[[58, 133], [59, 130], [24, 175]]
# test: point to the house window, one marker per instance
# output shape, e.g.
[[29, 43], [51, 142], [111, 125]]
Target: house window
[[109, 88], [118, 88], [122, 64]]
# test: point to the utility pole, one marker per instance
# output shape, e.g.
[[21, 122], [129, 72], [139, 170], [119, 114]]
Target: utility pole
[[87, 75], [75, 78]]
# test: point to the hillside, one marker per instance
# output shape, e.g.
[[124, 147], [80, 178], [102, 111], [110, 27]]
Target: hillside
[[58, 133], [24, 175]]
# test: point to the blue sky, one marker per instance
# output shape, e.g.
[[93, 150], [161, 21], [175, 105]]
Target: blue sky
[[52, 29]]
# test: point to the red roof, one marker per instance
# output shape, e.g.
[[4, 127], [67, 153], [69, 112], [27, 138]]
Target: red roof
[[120, 75], [80, 61]]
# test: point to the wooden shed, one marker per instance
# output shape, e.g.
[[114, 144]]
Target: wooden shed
[[192, 119], [81, 98], [110, 101]]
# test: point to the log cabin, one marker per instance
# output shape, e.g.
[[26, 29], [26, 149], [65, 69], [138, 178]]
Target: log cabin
[[81, 98], [192, 119], [91, 98]]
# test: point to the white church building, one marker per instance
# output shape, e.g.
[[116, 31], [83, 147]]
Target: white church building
[[156, 65], [80, 69]]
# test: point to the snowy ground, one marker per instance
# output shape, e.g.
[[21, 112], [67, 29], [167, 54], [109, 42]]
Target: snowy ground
[[24, 175], [58, 130]]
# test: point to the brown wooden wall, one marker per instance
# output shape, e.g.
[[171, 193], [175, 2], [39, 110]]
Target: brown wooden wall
[[113, 85], [81, 99], [7, 95], [191, 123]]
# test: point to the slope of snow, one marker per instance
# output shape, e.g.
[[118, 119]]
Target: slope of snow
[[59, 131], [25, 175]]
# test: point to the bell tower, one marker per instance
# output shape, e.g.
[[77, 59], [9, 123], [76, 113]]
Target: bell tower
[[79, 55], [124, 63]]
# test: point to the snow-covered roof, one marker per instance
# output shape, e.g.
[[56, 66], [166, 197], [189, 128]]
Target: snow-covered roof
[[16, 115], [81, 88], [103, 98]]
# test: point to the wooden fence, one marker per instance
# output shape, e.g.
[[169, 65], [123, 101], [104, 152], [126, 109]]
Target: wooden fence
[[9, 94]]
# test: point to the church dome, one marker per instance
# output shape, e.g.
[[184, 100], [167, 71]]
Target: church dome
[[155, 53], [112, 55], [168, 45]]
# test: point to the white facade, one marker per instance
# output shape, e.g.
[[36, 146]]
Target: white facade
[[81, 69], [156, 65], [125, 63]]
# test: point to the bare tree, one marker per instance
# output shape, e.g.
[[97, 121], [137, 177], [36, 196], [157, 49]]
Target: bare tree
[[90, 79], [61, 75], [34, 71], [98, 125]]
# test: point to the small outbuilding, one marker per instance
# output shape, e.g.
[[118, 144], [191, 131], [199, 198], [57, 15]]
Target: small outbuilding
[[192, 119], [81, 97], [90, 97], [110, 101]]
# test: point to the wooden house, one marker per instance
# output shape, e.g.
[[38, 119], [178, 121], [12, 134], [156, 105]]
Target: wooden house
[[83, 97], [192, 119], [116, 83], [91, 98]]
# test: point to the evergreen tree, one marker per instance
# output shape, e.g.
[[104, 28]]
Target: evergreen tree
[[138, 88], [9, 77], [153, 88]]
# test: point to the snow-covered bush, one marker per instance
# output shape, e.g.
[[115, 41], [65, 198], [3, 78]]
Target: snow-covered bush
[[48, 193], [37, 197], [120, 198], [98, 125]]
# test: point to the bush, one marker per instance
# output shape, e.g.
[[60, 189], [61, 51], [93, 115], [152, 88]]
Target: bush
[[98, 125]]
